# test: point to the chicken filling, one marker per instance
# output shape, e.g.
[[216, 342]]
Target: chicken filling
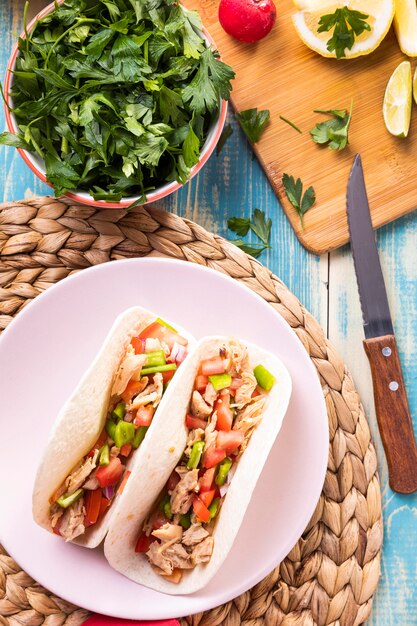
[[227, 404], [147, 366]]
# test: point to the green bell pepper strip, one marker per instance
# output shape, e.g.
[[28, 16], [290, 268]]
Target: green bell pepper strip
[[163, 323], [110, 428], [223, 471], [165, 507], [104, 458], [214, 508], [139, 436], [67, 499], [119, 411], [185, 520], [264, 378], [124, 433], [159, 368], [155, 359], [220, 381], [195, 456], [168, 510]]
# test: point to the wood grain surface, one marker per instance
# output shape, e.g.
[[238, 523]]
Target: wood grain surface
[[281, 74], [393, 413], [233, 183]]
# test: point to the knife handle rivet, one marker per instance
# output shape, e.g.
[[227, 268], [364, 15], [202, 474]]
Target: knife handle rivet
[[386, 351], [393, 385]]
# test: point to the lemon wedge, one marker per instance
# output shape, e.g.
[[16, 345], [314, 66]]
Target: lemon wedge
[[398, 100], [306, 22], [405, 24], [415, 86]]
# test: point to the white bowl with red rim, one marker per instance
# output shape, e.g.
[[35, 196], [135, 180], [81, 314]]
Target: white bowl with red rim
[[37, 165]]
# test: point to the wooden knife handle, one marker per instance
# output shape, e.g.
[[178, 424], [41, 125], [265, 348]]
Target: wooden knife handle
[[393, 413]]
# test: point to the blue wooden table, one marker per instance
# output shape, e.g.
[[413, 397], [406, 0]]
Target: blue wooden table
[[233, 184]]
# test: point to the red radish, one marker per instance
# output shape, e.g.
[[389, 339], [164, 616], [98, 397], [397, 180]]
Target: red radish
[[247, 20]]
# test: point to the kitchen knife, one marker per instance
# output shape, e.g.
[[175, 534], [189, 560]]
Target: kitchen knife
[[391, 403]]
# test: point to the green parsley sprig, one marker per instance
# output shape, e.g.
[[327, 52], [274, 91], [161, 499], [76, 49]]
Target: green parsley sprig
[[253, 123], [346, 24], [333, 132], [116, 96], [294, 192], [258, 224]]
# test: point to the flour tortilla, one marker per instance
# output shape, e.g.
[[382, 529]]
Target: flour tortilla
[[161, 452], [82, 419]]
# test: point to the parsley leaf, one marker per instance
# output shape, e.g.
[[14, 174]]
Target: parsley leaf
[[211, 82], [334, 131], [226, 133], [17, 141], [347, 25], [294, 192], [258, 224], [253, 249], [239, 225], [253, 123]]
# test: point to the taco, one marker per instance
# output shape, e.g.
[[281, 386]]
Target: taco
[[99, 431], [202, 462]]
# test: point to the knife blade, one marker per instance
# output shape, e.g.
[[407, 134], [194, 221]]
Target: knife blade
[[391, 404]]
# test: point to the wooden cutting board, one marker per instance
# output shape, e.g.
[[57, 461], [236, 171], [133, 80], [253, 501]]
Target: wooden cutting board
[[281, 74]]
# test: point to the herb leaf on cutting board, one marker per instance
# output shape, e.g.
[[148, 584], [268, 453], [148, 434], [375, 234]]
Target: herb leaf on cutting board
[[333, 132], [347, 24], [294, 192], [258, 225], [253, 123], [119, 95]]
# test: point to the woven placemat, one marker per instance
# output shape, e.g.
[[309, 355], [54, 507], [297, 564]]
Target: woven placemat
[[330, 576]]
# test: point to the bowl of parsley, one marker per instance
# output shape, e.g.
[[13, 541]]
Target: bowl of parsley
[[115, 103]]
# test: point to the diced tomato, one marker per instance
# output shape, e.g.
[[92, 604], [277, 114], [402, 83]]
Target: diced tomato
[[194, 422], [159, 520], [138, 345], [92, 503], [143, 543], [56, 528], [173, 481], [207, 497], [163, 333], [224, 413], [255, 393], [123, 483], [144, 415], [166, 376], [133, 387], [207, 479], [212, 457], [201, 383], [104, 505], [126, 449], [109, 475], [201, 510], [99, 443], [229, 441], [209, 367]]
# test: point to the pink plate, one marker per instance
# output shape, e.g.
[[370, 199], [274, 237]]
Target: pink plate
[[43, 354]]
